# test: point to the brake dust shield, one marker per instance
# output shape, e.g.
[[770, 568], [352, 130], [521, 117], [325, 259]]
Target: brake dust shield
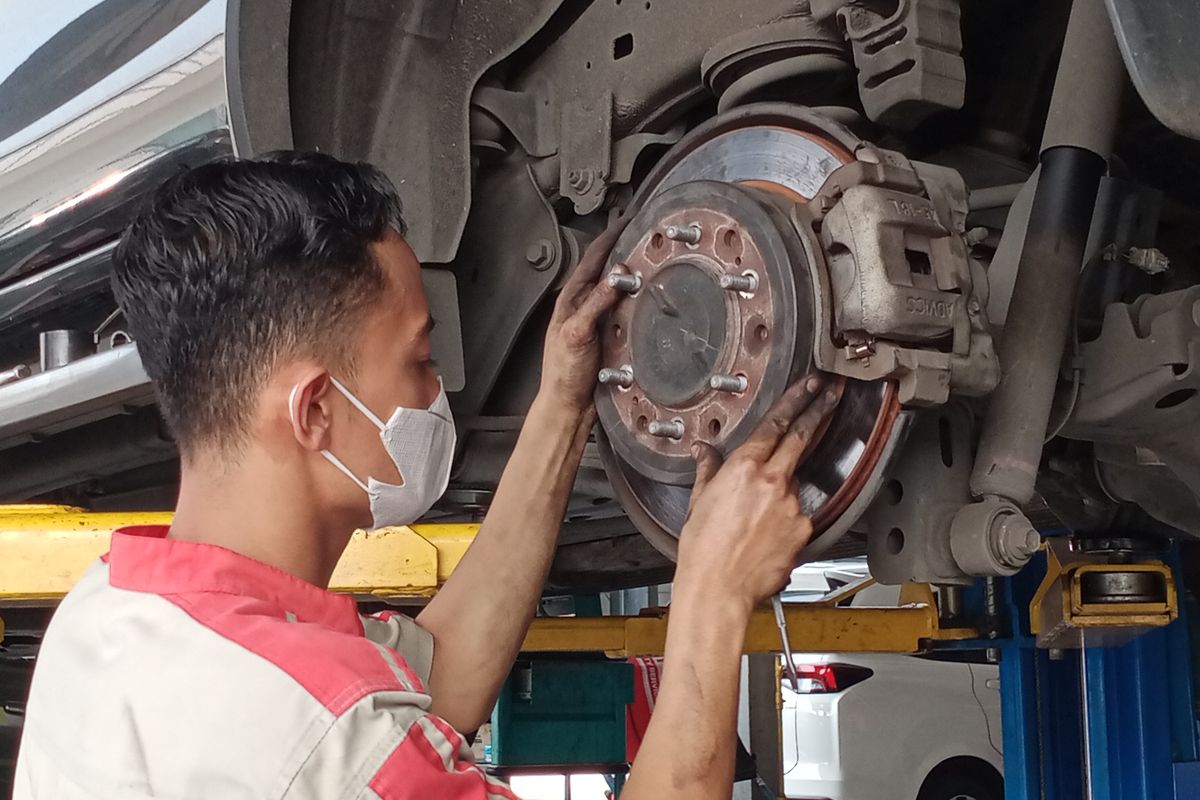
[[717, 321]]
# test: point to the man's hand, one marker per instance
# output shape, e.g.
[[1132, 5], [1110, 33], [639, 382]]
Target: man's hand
[[745, 527], [494, 591], [737, 548], [572, 356]]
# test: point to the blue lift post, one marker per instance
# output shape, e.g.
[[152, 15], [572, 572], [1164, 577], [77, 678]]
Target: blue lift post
[[1130, 709]]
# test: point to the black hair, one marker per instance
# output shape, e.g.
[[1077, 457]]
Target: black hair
[[236, 264]]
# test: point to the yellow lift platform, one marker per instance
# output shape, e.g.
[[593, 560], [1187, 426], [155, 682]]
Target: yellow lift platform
[[47, 548]]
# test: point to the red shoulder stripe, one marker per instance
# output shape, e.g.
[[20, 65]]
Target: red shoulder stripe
[[416, 770], [337, 669]]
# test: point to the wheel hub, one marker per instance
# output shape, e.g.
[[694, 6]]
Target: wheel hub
[[707, 331], [678, 332], [717, 319]]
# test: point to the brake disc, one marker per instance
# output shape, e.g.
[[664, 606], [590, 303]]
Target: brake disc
[[718, 320]]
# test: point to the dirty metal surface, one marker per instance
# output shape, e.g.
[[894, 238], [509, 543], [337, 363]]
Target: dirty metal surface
[[681, 328], [677, 329]]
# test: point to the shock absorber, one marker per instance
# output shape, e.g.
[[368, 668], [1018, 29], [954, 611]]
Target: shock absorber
[[1078, 139]]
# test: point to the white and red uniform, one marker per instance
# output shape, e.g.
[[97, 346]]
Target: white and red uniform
[[183, 670]]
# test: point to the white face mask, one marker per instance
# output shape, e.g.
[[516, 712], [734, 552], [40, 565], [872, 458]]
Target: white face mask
[[421, 444]]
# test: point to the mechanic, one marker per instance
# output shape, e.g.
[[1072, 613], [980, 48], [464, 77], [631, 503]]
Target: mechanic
[[282, 319]]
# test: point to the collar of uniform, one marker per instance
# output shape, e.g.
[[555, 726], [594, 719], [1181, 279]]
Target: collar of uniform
[[143, 559]]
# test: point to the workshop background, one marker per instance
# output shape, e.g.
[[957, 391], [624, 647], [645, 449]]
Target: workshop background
[[981, 218]]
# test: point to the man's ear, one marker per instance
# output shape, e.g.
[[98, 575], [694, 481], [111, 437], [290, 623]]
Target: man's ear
[[310, 409]]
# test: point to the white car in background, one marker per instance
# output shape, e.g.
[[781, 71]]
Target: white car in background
[[891, 727]]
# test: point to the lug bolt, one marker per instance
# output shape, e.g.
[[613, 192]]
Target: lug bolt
[[728, 383], [622, 376], [688, 234], [671, 429], [739, 283], [630, 284]]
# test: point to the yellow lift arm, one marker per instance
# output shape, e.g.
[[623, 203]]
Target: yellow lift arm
[[45, 549]]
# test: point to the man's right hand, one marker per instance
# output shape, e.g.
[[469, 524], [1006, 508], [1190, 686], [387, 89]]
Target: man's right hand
[[745, 527], [737, 548]]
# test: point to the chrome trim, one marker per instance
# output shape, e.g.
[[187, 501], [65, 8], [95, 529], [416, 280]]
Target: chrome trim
[[91, 388], [70, 179], [59, 285]]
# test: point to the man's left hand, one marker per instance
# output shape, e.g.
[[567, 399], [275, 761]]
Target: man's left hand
[[572, 356]]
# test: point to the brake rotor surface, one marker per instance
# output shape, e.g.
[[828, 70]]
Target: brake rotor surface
[[718, 321]]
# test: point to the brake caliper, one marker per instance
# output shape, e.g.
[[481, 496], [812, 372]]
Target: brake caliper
[[898, 296]]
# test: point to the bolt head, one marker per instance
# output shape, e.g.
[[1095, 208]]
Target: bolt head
[[1033, 541], [976, 235], [581, 179], [540, 254], [1017, 539]]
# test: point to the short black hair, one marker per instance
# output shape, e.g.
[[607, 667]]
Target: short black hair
[[236, 263]]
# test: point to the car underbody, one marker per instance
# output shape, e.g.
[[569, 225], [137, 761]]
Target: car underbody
[[960, 209]]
